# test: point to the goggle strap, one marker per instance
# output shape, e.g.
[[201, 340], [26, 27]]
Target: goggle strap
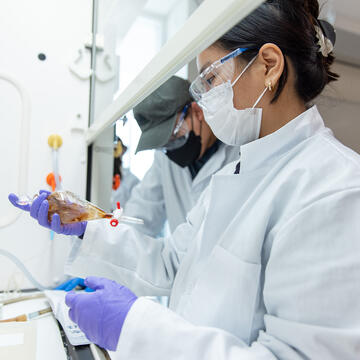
[[245, 68], [233, 54]]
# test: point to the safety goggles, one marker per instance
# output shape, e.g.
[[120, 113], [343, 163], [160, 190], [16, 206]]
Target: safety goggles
[[219, 72], [180, 133]]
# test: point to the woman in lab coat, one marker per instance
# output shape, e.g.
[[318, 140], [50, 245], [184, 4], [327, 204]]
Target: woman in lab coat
[[267, 265]]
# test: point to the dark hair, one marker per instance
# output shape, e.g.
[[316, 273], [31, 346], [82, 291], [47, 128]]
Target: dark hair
[[289, 24]]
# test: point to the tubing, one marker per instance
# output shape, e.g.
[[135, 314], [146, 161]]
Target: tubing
[[55, 158], [22, 267]]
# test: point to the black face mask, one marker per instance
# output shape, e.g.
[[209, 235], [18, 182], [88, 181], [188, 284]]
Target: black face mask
[[188, 153]]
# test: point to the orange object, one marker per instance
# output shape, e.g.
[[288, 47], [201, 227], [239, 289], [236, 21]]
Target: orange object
[[17, 319], [50, 180], [116, 182]]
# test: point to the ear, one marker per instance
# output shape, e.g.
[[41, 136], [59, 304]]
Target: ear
[[272, 58]]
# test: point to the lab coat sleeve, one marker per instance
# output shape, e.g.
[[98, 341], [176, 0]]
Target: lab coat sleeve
[[147, 200], [144, 264], [153, 332], [311, 293]]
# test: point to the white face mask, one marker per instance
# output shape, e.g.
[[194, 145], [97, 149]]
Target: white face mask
[[231, 126]]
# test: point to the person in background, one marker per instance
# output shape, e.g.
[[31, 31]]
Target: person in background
[[187, 154]]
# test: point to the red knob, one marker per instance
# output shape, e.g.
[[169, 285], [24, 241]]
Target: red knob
[[114, 222]]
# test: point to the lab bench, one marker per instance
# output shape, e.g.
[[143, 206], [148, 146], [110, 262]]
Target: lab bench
[[39, 339]]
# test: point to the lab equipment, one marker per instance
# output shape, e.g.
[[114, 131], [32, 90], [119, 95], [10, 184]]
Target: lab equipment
[[22, 298], [39, 208], [118, 216], [101, 314], [69, 207], [245, 279], [55, 142], [30, 316], [23, 268]]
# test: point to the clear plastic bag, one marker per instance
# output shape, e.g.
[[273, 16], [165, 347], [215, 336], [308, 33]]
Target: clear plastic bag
[[72, 209]]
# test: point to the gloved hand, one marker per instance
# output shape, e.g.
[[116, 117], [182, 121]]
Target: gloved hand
[[72, 284], [101, 314], [39, 211]]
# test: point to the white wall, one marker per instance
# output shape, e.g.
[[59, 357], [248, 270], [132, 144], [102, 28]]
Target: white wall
[[59, 100], [340, 105]]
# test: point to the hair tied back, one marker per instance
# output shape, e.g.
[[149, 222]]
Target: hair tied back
[[326, 35]]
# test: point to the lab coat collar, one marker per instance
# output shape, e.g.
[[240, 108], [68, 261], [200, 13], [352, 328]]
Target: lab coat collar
[[262, 151], [215, 163]]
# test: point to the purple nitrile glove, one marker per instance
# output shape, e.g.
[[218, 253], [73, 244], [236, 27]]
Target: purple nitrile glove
[[72, 284], [39, 211], [101, 314]]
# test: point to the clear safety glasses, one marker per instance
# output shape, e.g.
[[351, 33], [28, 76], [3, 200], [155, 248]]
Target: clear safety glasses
[[219, 72], [180, 133]]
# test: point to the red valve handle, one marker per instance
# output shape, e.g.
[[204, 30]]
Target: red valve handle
[[114, 222]]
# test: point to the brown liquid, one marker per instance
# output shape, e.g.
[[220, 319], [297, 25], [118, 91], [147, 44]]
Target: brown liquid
[[71, 212]]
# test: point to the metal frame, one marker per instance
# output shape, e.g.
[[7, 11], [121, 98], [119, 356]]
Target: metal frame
[[95, 7]]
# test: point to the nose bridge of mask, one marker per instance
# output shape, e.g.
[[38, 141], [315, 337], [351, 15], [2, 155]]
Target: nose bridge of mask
[[216, 98]]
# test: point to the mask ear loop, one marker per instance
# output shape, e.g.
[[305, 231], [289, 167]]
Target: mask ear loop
[[260, 97], [245, 68]]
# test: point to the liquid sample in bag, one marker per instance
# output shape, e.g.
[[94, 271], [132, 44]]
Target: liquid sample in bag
[[72, 209]]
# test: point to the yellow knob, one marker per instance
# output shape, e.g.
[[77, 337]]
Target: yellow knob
[[55, 141], [118, 150]]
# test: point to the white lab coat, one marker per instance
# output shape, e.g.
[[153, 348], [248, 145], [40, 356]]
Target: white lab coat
[[167, 191], [267, 265], [123, 192]]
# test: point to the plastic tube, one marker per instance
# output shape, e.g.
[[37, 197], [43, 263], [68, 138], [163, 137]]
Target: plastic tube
[[22, 267], [55, 158]]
